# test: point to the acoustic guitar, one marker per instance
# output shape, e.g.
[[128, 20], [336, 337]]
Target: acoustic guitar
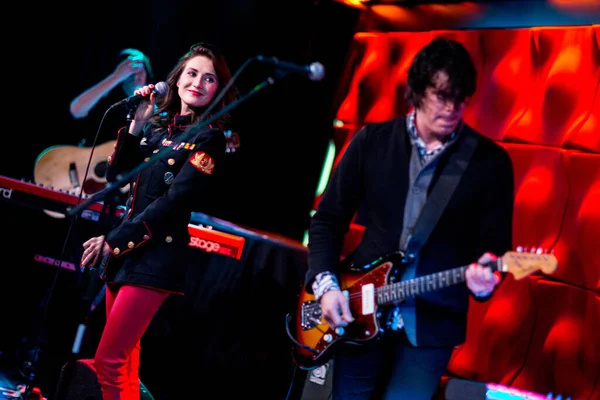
[[371, 294], [63, 167]]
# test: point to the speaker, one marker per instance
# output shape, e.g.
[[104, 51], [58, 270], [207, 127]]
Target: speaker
[[317, 385], [78, 381]]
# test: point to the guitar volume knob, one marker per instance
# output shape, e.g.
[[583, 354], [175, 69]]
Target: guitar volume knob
[[328, 338], [339, 331]]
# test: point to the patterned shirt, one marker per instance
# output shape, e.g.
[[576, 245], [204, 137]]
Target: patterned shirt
[[426, 155]]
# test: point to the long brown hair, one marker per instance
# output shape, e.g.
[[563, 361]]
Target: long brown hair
[[170, 105]]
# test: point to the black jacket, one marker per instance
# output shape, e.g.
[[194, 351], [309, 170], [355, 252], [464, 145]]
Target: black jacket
[[149, 245], [373, 175]]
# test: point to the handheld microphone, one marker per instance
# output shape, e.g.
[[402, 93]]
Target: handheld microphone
[[160, 89], [315, 71]]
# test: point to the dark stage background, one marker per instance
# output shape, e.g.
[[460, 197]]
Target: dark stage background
[[57, 51], [284, 129]]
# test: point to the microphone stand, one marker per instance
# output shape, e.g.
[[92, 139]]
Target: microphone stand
[[86, 298], [89, 294]]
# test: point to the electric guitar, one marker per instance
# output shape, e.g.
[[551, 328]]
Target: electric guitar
[[370, 293]]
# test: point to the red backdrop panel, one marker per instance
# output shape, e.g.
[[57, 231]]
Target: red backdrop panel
[[564, 355], [579, 240], [535, 85], [538, 97]]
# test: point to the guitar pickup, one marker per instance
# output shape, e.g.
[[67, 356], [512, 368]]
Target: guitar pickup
[[368, 299]]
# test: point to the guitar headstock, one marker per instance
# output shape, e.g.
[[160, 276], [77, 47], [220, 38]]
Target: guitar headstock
[[525, 261]]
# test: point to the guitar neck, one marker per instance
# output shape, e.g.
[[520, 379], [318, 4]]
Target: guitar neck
[[399, 291]]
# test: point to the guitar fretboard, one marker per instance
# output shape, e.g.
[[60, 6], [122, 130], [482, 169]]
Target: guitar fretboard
[[427, 283]]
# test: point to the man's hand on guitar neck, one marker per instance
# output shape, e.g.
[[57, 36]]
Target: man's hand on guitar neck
[[480, 279], [335, 308]]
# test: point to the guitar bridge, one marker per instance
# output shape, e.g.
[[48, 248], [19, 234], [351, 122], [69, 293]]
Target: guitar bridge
[[310, 315]]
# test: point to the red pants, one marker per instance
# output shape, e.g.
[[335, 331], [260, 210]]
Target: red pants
[[129, 311]]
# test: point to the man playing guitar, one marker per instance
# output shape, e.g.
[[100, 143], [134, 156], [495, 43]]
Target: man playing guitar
[[429, 185]]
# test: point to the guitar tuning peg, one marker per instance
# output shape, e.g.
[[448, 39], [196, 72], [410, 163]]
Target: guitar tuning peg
[[540, 251], [519, 249], [533, 249]]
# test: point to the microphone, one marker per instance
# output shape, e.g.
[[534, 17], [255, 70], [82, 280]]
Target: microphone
[[315, 71], [160, 89]]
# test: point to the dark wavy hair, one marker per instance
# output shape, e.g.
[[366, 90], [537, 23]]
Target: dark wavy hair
[[444, 55], [170, 105]]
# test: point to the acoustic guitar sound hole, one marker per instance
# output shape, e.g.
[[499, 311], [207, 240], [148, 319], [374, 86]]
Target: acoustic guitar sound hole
[[100, 169]]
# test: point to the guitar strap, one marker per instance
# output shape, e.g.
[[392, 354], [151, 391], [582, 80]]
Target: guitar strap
[[442, 191]]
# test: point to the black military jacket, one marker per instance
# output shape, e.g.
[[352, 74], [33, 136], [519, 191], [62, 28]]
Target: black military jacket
[[149, 245]]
